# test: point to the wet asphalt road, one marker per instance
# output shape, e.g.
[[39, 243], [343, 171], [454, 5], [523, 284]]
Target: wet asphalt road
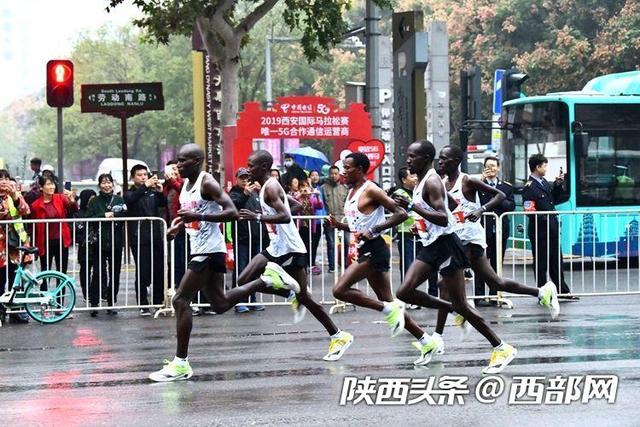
[[258, 368]]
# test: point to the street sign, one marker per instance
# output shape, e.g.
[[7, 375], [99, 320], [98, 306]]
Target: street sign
[[497, 91], [121, 98]]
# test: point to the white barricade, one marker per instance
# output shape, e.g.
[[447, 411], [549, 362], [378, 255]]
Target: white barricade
[[600, 250], [110, 259]]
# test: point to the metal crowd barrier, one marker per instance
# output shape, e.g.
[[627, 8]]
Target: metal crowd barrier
[[600, 250], [600, 256], [103, 266]]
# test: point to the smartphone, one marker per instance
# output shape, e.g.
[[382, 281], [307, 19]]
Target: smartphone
[[67, 185]]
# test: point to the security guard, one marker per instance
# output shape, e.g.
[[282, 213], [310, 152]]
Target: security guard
[[544, 230], [490, 177]]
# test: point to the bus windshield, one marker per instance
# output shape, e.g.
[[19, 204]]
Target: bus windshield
[[535, 128], [608, 165]]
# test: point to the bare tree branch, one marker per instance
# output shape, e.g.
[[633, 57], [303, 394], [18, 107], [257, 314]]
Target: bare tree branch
[[258, 13]]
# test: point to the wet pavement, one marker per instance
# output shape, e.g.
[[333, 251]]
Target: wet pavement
[[258, 368]]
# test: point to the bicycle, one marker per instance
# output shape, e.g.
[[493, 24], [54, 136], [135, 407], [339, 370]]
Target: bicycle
[[32, 293]]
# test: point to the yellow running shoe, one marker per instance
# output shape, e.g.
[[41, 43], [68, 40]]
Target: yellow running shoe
[[172, 371], [338, 346], [500, 358], [299, 310], [462, 323], [395, 319], [426, 352], [549, 299]]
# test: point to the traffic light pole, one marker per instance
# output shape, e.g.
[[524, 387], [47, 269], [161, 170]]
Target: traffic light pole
[[125, 150], [60, 150]]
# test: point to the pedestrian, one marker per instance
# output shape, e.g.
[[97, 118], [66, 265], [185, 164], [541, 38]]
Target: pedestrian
[[12, 208], [320, 211], [107, 247], [85, 246], [490, 176], [144, 199], [544, 230], [309, 228], [250, 237], [334, 195], [53, 239], [35, 164], [292, 170], [171, 189]]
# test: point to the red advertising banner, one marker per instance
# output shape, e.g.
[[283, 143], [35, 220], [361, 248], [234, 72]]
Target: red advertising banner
[[303, 117]]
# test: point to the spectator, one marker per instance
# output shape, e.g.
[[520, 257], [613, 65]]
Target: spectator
[[544, 230], [293, 170], [490, 177], [307, 227], [293, 188], [85, 259], [12, 208], [275, 173], [109, 241], [172, 186], [314, 179], [406, 239], [35, 164], [47, 170], [334, 195], [54, 238], [250, 237], [144, 199]]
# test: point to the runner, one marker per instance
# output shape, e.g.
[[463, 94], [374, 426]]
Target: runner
[[286, 251], [364, 210], [442, 250], [464, 189], [203, 206]]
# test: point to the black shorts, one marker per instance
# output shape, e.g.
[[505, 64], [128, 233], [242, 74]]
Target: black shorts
[[292, 260], [376, 252], [213, 262], [474, 250], [446, 254]]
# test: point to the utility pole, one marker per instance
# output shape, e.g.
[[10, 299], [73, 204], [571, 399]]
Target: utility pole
[[372, 77]]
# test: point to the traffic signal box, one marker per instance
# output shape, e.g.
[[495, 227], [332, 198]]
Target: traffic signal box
[[60, 83]]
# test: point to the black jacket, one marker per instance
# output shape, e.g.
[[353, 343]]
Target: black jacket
[[252, 202], [544, 196], [144, 202], [507, 205]]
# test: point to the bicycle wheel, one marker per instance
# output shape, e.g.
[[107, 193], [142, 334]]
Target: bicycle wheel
[[60, 297]]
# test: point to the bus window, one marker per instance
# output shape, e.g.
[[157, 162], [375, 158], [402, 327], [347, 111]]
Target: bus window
[[535, 128], [609, 175]]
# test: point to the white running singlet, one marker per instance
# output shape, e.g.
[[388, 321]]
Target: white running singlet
[[284, 238], [467, 231], [205, 237], [428, 231], [358, 221]]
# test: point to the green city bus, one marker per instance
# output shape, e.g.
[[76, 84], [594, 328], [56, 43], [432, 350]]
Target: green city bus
[[592, 135]]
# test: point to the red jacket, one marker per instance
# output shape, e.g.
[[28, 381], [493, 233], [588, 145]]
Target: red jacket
[[63, 208]]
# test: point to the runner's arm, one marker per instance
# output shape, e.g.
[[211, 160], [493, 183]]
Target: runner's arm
[[398, 215], [498, 197], [432, 192], [271, 198], [211, 190]]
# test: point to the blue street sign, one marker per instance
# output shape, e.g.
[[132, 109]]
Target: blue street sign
[[497, 91]]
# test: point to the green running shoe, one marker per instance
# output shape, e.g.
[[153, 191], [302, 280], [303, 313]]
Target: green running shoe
[[395, 319], [172, 371]]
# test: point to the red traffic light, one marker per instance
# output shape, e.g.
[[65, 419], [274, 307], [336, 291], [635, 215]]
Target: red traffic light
[[60, 83]]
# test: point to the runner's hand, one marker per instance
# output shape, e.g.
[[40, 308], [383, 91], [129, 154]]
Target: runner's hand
[[188, 216], [474, 216], [331, 222], [248, 215], [401, 201], [173, 231]]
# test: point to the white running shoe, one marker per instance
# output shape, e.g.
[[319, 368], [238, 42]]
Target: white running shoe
[[275, 276], [172, 371], [439, 344], [338, 346], [549, 299]]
